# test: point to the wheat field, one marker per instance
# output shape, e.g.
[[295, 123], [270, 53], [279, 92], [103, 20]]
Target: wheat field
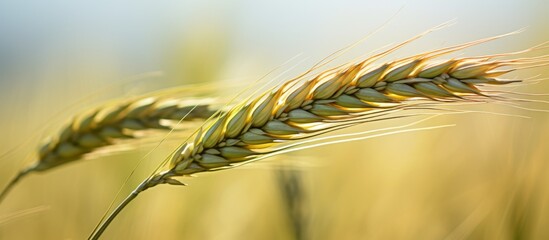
[[484, 178]]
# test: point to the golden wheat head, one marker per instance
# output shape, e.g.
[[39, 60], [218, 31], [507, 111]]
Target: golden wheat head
[[338, 98], [106, 126]]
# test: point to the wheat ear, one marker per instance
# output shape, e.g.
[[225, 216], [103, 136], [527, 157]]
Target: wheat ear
[[107, 124], [335, 99]]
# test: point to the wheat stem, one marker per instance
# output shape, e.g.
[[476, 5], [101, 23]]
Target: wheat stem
[[99, 231], [292, 189], [14, 181], [108, 218]]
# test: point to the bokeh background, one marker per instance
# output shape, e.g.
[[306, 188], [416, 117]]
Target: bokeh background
[[485, 178]]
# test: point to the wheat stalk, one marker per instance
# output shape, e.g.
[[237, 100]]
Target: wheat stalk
[[335, 99], [105, 126], [292, 189]]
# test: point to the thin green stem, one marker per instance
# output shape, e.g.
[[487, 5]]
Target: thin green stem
[[14, 181], [96, 234], [99, 229], [148, 183]]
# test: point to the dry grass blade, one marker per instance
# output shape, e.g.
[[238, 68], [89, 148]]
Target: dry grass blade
[[341, 97], [106, 126]]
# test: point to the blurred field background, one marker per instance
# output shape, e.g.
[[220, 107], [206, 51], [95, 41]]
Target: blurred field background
[[485, 178]]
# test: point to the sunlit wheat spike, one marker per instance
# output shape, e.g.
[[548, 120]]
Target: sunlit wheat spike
[[341, 97], [299, 109], [106, 125]]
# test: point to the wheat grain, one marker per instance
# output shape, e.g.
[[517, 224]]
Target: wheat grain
[[106, 125], [338, 98]]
